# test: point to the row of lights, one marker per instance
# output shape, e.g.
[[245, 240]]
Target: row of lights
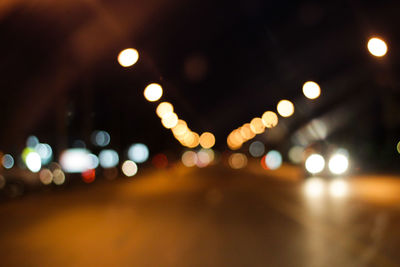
[[165, 110]]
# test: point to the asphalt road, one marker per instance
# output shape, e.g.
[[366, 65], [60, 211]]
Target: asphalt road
[[206, 217]]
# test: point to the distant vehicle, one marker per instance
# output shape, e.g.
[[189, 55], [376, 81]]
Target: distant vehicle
[[324, 159]]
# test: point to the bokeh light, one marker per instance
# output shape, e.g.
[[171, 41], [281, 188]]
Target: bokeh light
[[100, 138], [257, 125], [338, 163], [398, 147], [58, 177], [45, 152], [128, 57], [315, 163], [153, 92], [246, 132], [285, 108], [237, 160], [129, 168], [314, 187], [270, 119], [207, 140], [32, 141], [7, 161], [180, 129], [76, 160], [189, 158], [257, 149], [273, 159], [108, 158], [377, 47], [338, 188], [33, 161], [203, 158], [311, 90], [138, 153], [164, 108], [296, 154], [89, 176], [170, 120], [93, 161], [46, 176]]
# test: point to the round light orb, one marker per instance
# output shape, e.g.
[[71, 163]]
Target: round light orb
[[273, 159], [338, 164], [170, 120], [33, 162], [138, 153], [108, 158], [237, 161], [129, 168], [153, 92], [311, 90], [207, 140], [256, 149], [285, 108], [315, 163], [377, 47], [270, 119], [164, 108], [189, 158], [7, 161], [128, 57]]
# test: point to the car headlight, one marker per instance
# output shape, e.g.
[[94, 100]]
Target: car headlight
[[338, 163], [315, 163]]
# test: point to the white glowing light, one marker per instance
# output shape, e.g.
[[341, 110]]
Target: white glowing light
[[273, 159], [45, 152], [314, 187], [338, 188], [138, 153], [311, 90], [153, 92], [338, 164], [33, 162], [128, 57], [315, 163], [75, 160], [129, 168], [377, 47], [108, 158]]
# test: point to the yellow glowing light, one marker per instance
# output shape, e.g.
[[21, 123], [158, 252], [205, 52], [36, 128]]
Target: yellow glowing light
[[170, 120], [164, 108], [257, 125], [270, 119], [207, 140], [128, 57], [311, 90], [195, 140], [235, 140], [180, 129], [153, 92], [377, 47], [237, 161], [246, 132], [285, 108], [398, 147]]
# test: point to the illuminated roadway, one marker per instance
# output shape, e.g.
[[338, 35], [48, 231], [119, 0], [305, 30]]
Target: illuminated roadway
[[205, 217]]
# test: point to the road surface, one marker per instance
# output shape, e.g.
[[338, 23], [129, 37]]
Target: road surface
[[213, 216]]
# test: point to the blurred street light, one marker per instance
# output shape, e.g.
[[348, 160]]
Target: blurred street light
[[377, 47], [128, 57]]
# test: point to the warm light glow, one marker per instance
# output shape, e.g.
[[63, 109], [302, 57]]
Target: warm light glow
[[338, 188], [270, 119], [314, 187], [203, 159], [180, 129], [246, 132], [129, 168], [315, 163], [285, 108], [311, 90], [338, 163], [58, 177], [237, 160], [164, 108], [296, 154], [170, 120], [377, 47], [153, 92], [207, 140], [398, 147], [189, 158], [235, 140], [46, 176], [128, 57], [257, 125]]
